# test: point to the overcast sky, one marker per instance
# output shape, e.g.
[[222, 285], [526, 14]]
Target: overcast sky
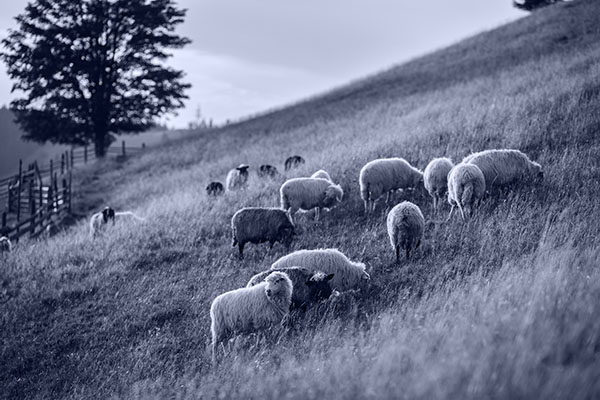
[[251, 55]]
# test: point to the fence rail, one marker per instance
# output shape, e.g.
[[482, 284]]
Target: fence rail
[[36, 198]]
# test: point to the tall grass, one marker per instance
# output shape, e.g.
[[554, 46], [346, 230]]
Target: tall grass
[[504, 305]]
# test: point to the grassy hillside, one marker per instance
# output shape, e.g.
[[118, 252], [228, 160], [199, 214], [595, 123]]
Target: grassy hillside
[[502, 306]]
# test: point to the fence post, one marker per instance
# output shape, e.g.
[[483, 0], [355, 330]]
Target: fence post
[[123, 147], [85, 154], [70, 192], [72, 158], [143, 146], [62, 163], [32, 211], [4, 219], [20, 183], [51, 170]]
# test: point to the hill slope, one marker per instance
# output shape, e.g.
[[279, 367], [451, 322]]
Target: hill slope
[[502, 306]]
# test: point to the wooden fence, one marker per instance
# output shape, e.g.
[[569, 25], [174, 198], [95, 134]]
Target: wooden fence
[[36, 198]]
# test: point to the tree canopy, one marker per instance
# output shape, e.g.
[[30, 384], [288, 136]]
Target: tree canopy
[[89, 69], [532, 5]]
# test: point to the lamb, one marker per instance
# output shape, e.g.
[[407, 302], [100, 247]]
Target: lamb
[[466, 186], [5, 245], [347, 274], [309, 286], [237, 178], [293, 162], [99, 220], [321, 174], [259, 225], [386, 175], [215, 189], [405, 225], [308, 193], [502, 168], [267, 171], [435, 179], [250, 309]]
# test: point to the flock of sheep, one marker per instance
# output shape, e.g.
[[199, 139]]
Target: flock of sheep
[[304, 277]]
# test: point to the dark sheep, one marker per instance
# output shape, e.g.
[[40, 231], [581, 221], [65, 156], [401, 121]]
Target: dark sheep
[[267, 171], [293, 162], [215, 189]]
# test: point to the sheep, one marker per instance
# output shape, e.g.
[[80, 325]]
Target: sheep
[[293, 162], [259, 225], [347, 274], [237, 178], [215, 189], [250, 309], [309, 286], [308, 193], [405, 225], [100, 219], [321, 174], [386, 175], [435, 179], [502, 168], [466, 186], [5, 245], [267, 171]]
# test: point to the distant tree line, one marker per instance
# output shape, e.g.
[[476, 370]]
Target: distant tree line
[[532, 5]]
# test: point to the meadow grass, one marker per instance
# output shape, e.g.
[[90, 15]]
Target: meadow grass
[[504, 305]]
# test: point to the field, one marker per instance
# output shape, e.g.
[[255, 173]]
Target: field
[[505, 305]]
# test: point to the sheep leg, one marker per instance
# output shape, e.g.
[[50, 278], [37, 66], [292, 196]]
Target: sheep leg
[[366, 207], [241, 248], [387, 198], [408, 253], [435, 204], [317, 210], [397, 253], [462, 214], [450, 215]]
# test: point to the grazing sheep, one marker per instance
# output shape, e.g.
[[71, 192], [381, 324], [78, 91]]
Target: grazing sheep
[[237, 178], [308, 193], [215, 189], [100, 219], [293, 162], [502, 168], [347, 274], [250, 309], [435, 179], [259, 225], [267, 171], [321, 174], [5, 245], [405, 224], [386, 175], [466, 186], [309, 286]]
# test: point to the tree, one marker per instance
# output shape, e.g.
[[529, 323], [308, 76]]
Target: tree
[[532, 5], [89, 69]]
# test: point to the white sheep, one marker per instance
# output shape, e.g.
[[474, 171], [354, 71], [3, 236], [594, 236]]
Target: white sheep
[[347, 274], [308, 193], [466, 186], [322, 174], [250, 309], [259, 225], [309, 286], [435, 179], [405, 225], [385, 175], [505, 167], [5, 245], [100, 220], [237, 178]]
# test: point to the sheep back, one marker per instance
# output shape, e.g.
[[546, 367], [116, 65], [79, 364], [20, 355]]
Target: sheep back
[[322, 174], [347, 274], [435, 176], [308, 193], [502, 167], [405, 225], [259, 225], [380, 176]]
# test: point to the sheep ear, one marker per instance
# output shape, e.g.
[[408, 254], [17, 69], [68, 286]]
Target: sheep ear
[[329, 277]]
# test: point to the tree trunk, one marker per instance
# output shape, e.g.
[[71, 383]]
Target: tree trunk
[[100, 142]]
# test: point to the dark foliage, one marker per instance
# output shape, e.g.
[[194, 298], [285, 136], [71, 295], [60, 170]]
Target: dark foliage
[[532, 5], [95, 67]]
